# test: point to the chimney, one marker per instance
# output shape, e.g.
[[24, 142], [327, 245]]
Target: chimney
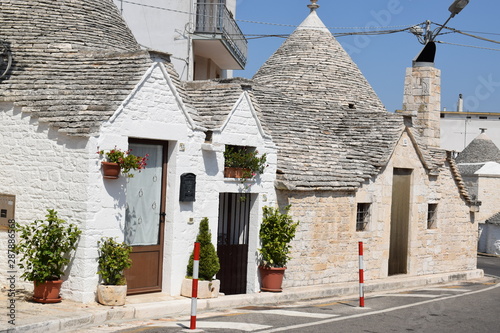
[[460, 105], [422, 96]]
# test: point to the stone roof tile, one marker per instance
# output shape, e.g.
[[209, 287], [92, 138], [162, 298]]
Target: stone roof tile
[[72, 59], [481, 149], [330, 127]]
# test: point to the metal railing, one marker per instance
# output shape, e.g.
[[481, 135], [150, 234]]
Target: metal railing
[[216, 19]]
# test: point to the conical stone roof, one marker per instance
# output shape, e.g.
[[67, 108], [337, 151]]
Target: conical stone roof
[[312, 64], [331, 129], [73, 61], [480, 150]]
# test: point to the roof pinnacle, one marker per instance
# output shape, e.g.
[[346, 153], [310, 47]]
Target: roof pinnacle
[[313, 5]]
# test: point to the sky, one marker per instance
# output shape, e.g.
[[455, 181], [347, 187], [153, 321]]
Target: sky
[[383, 59]]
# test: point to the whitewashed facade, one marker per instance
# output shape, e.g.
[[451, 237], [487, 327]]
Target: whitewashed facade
[[105, 99]]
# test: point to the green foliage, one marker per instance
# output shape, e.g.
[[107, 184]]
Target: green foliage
[[243, 157], [43, 246], [126, 160], [209, 261], [276, 232], [114, 258]]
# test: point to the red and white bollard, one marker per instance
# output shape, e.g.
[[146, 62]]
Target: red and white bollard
[[361, 277], [194, 291]]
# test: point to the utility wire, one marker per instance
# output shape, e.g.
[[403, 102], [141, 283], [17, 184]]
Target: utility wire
[[473, 36], [476, 47], [257, 22]]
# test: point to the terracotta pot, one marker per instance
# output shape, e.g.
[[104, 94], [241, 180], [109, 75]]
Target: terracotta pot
[[110, 170], [111, 294], [271, 278], [235, 172], [47, 292]]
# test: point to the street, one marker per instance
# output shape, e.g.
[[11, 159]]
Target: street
[[461, 307]]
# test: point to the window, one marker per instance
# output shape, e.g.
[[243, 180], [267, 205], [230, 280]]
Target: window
[[432, 216], [362, 216], [483, 117]]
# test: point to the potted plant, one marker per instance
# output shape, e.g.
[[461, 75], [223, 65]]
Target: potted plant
[[243, 162], [117, 159], [276, 232], [114, 258], [43, 247], [209, 265]]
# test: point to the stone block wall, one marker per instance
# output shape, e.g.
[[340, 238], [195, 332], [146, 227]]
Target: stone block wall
[[326, 246]]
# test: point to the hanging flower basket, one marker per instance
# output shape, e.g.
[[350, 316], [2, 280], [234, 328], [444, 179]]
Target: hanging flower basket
[[110, 170]]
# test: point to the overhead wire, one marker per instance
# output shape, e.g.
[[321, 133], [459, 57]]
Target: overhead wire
[[472, 46], [375, 30]]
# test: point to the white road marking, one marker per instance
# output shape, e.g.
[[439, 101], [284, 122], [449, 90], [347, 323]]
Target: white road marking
[[446, 289], [298, 314], [331, 320], [247, 327], [411, 295]]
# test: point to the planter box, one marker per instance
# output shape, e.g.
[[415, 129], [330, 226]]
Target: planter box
[[206, 289], [111, 295], [235, 172]]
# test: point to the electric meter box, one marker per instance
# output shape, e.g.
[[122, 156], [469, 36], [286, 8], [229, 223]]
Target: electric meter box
[[7, 206]]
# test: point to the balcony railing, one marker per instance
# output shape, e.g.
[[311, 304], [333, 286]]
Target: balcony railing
[[215, 19]]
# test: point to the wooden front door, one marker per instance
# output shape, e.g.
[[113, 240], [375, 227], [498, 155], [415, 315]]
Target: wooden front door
[[400, 220], [232, 242], [145, 217]]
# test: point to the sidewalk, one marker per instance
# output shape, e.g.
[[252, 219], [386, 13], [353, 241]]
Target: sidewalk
[[67, 315]]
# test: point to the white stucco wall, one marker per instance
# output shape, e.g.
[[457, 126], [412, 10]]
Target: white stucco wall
[[167, 25], [47, 169], [489, 240], [153, 112], [457, 131], [44, 169]]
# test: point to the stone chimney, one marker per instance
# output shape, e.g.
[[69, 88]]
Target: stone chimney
[[422, 96], [460, 104]]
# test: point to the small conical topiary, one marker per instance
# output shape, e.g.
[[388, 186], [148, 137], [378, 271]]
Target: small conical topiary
[[209, 261]]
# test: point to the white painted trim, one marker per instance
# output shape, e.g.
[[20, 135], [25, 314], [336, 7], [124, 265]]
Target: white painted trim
[[245, 96], [178, 99]]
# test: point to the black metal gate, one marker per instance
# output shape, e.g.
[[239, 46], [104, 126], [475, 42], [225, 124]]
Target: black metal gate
[[232, 241]]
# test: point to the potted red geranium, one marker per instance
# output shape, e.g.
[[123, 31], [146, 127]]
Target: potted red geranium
[[118, 160]]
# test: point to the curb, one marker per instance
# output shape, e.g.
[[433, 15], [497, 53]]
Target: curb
[[182, 307]]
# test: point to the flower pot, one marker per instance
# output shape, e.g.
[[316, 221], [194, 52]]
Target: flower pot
[[206, 289], [47, 292], [235, 172], [111, 294], [110, 170], [271, 278]]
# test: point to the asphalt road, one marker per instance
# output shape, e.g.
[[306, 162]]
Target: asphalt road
[[462, 307]]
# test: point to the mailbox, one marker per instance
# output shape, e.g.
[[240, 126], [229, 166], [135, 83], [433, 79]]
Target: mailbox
[[7, 205], [188, 187]]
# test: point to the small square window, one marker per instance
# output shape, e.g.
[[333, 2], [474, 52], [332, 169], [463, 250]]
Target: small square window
[[362, 216], [432, 216]]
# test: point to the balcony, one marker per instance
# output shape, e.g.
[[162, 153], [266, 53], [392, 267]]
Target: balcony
[[218, 37]]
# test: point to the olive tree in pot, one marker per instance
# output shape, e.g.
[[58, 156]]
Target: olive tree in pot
[[44, 246], [276, 232], [114, 258], [209, 265]]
